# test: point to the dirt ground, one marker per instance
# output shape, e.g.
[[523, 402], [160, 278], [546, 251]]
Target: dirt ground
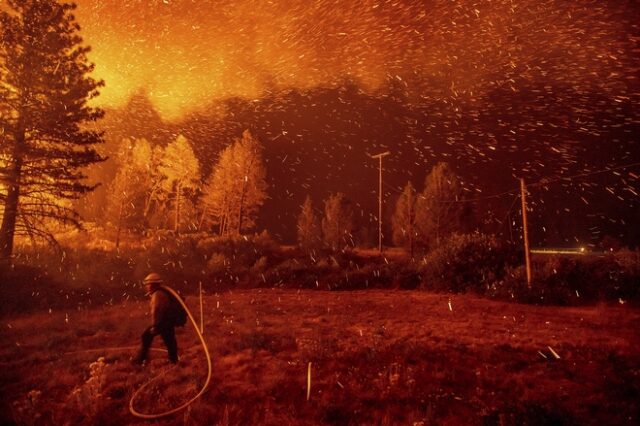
[[375, 357]]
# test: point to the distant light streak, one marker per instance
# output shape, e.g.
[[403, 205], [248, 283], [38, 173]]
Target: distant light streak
[[579, 250], [556, 356]]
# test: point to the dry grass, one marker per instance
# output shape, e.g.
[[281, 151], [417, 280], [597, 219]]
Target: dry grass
[[378, 357]]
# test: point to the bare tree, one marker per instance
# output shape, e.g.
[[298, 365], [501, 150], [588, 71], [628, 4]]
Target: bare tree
[[44, 89]]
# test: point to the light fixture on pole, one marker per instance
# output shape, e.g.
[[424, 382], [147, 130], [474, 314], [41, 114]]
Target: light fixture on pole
[[379, 157]]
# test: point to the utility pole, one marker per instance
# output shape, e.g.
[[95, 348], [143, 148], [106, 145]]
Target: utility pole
[[525, 230], [379, 157]]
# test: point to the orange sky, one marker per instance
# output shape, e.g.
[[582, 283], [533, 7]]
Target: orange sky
[[185, 52]]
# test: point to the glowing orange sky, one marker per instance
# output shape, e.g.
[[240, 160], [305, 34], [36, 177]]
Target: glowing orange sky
[[185, 52]]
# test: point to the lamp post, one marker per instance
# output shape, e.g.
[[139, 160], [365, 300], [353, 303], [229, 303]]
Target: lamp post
[[379, 157]]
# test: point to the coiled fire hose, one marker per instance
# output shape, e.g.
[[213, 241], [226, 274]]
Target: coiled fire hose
[[206, 382]]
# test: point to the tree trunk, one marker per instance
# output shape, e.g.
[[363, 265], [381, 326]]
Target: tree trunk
[[204, 214], [176, 226], [8, 227], [119, 223], [243, 194], [240, 213], [147, 203]]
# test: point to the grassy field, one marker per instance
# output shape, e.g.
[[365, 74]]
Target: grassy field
[[377, 357]]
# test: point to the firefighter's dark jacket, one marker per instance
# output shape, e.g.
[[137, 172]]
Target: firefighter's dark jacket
[[161, 308]]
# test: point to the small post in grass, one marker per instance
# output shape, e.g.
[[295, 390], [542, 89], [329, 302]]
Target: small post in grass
[[201, 311], [309, 382]]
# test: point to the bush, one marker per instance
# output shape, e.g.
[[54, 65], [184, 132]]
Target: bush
[[469, 262], [408, 278], [293, 273], [218, 263], [572, 281], [242, 251]]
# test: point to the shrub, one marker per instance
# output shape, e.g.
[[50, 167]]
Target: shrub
[[26, 411], [242, 251], [572, 281], [261, 265], [293, 273], [218, 263], [469, 262], [407, 278]]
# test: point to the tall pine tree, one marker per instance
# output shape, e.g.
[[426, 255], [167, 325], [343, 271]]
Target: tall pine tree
[[338, 223], [309, 231], [439, 210], [131, 187], [251, 178], [237, 186], [219, 191], [180, 170], [45, 86], [403, 219]]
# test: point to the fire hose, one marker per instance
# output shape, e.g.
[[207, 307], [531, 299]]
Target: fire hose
[[150, 416], [132, 408]]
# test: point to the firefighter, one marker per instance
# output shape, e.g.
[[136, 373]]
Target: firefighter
[[163, 320]]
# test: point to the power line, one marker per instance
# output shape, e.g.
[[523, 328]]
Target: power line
[[541, 182], [513, 203], [612, 169]]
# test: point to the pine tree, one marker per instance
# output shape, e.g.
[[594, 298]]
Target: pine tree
[[155, 195], [251, 175], [180, 171], [44, 89], [439, 211], [309, 232], [219, 191], [338, 224], [237, 186], [403, 219]]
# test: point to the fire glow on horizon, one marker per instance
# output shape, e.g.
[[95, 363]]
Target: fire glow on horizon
[[186, 52]]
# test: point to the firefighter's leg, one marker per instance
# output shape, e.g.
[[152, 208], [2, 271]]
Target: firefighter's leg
[[169, 336], [147, 338]]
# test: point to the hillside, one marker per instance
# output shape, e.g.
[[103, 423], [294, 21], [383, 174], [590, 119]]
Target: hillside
[[377, 357]]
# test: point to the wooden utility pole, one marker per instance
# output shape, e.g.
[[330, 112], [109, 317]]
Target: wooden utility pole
[[525, 230], [379, 157]]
